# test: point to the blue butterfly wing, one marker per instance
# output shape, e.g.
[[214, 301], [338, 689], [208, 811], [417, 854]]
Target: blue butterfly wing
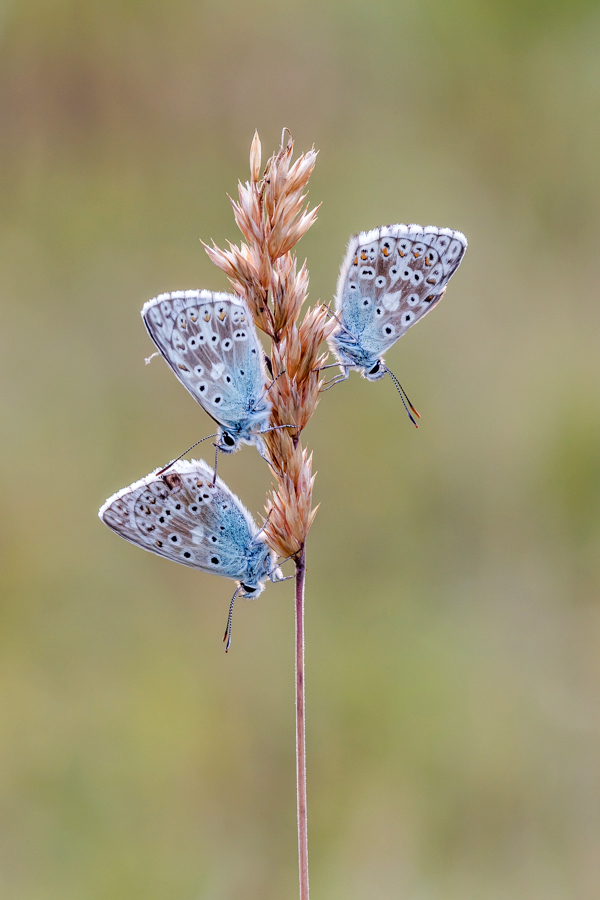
[[210, 342], [391, 277], [182, 517]]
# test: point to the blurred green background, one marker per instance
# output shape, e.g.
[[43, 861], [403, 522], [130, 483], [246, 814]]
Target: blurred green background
[[453, 671]]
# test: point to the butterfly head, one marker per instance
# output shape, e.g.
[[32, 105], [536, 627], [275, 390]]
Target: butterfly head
[[374, 372]]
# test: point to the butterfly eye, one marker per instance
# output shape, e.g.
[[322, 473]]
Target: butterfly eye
[[228, 440], [375, 369], [248, 590]]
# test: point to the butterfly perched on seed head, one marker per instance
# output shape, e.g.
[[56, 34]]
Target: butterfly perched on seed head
[[390, 278], [209, 340]]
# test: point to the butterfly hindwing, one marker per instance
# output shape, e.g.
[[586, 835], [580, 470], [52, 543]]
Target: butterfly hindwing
[[183, 517], [210, 342], [390, 278]]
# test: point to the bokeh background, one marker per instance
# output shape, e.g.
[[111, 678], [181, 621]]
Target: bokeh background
[[453, 671]]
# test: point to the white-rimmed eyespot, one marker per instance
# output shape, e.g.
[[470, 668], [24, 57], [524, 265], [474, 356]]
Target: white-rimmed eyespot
[[188, 517], [209, 340], [409, 269]]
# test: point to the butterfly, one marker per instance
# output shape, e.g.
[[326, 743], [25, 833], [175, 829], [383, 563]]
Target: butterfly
[[210, 342], [188, 517], [390, 278]]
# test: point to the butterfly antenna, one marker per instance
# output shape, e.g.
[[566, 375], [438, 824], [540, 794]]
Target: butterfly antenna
[[173, 461], [227, 635], [403, 397], [216, 461]]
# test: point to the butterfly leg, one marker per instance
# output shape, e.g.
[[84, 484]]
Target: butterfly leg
[[263, 526], [269, 388], [277, 567], [261, 449], [337, 380]]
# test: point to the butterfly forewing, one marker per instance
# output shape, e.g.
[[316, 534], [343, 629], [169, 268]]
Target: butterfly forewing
[[392, 277], [210, 342], [184, 518]]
